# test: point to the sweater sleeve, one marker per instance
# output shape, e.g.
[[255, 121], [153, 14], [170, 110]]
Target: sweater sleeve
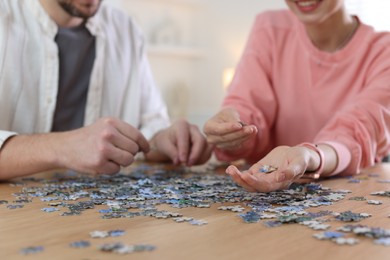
[[363, 125]]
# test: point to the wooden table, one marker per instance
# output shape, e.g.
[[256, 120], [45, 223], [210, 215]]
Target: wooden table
[[225, 236]]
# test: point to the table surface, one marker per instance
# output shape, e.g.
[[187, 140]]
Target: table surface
[[226, 236]]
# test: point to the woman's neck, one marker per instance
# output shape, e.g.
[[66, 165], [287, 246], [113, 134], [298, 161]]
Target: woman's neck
[[334, 33]]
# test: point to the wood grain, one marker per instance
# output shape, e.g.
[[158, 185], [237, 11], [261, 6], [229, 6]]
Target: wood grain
[[225, 236]]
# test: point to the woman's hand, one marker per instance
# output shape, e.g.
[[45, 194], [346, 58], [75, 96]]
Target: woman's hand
[[226, 131], [290, 164]]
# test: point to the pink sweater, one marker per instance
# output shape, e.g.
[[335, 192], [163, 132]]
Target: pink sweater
[[295, 93]]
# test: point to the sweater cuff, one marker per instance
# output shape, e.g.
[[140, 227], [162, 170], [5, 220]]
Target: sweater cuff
[[343, 155]]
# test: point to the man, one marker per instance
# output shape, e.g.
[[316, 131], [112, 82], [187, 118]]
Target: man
[[76, 92]]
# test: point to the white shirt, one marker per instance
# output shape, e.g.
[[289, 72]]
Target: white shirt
[[121, 83]]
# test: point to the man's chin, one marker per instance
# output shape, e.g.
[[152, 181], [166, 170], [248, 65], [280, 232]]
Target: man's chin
[[80, 12], [86, 14]]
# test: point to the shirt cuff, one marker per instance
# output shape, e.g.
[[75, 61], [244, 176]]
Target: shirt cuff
[[343, 155], [4, 135]]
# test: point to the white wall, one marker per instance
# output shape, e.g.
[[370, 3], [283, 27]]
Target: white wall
[[168, 26], [211, 35], [373, 12]]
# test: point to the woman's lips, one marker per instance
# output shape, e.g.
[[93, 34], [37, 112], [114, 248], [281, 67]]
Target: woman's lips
[[308, 6]]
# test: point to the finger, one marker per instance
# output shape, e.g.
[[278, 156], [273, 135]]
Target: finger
[[206, 154], [259, 183], [243, 133], [169, 149], [234, 141], [236, 176], [198, 145], [125, 144], [133, 134], [255, 169], [237, 179], [222, 128], [183, 140], [233, 137], [109, 168], [119, 156]]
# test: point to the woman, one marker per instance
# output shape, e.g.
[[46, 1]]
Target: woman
[[310, 98]]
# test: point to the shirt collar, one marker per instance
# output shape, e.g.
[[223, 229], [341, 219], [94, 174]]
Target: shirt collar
[[93, 24], [48, 25]]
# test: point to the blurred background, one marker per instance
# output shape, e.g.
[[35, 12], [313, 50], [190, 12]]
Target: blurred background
[[194, 45]]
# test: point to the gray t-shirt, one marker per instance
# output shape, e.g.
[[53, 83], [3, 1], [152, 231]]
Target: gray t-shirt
[[76, 54]]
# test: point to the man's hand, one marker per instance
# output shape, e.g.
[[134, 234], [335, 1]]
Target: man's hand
[[100, 148], [226, 131], [182, 143], [103, 147]]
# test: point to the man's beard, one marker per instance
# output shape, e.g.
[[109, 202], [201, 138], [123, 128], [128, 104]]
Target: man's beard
[[74, 11]]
